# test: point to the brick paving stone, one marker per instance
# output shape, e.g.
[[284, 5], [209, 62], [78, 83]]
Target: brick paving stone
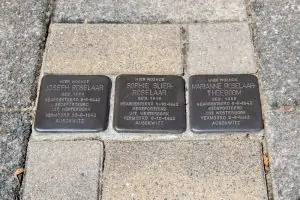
[[63, 170], [284, 150], [277, 42], [14, 135], [183, 170], [220, 48], [22, 31], [148, 11], [113, 49]]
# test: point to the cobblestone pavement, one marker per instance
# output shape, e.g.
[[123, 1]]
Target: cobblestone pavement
[[183, 38]]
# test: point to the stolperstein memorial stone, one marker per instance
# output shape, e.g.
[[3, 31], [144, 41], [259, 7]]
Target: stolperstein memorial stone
[[73, 103], [149, 104], [224, 103]]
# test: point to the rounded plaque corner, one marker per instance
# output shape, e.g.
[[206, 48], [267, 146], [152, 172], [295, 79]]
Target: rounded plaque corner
[[99, 129], [108, 79], [46, 75], [38, 129], [117, 128], [194, 130], [180, 78], [192, 76], [120, 76], [181, 131], [252, 77], [259, 128]]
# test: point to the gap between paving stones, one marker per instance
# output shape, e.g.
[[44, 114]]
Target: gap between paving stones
[[101, 180], [266, 164], [185, 47]]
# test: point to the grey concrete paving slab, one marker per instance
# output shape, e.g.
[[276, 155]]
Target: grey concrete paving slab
[[113, 49], [63, 170], [153, 11], [220, 48], [283, 137], [22, 31], [277, 43], [14, 135], [183, 170]]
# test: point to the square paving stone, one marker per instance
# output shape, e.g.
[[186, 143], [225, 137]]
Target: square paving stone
[[205, 170], [63, 170], [146, 103], [220, 48], [113, 49], [70, 103], [224, 103]]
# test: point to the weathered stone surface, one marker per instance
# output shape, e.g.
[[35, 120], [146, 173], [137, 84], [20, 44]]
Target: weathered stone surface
[[148, 11], [22, 31], [113, 49], [183, 170], [283, 132], [277, 42], [220, 48], [63, 170], [14, 134]]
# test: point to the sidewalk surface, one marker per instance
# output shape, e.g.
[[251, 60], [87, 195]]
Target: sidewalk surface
[[170, 37]]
